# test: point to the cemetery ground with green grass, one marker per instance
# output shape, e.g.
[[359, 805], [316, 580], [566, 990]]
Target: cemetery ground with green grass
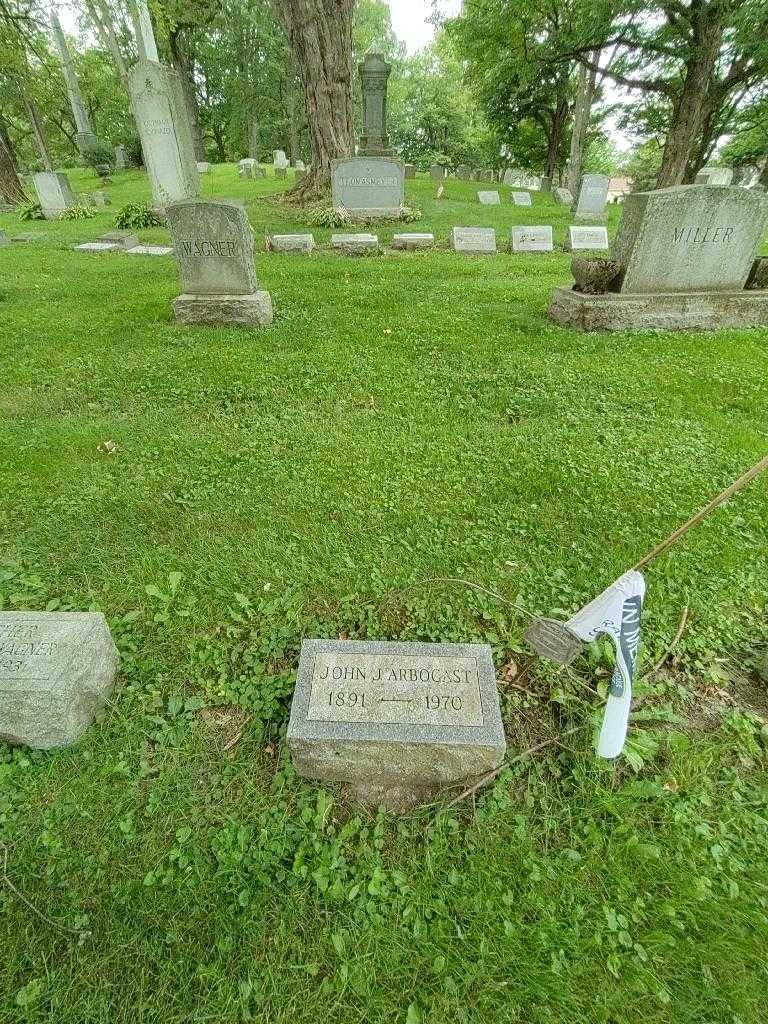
[[408, 417]]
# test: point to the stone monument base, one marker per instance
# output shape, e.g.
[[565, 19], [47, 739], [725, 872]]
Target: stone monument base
[[253, 310], [659, 311]]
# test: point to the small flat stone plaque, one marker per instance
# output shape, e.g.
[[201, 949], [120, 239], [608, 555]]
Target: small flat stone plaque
[[588, 238], [413, 240], [354, 243], [292, 243], [97, 247], [407, 714], [150, 250], [489, 198], [532, 238], [522, 199]]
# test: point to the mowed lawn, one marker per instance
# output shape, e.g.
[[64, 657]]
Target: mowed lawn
[[408, 418]]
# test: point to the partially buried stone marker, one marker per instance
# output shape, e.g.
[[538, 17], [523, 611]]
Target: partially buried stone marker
[[562, 196], [56, 669], [292, 243], [522, 199], [488, 198], [355, 243], [396, 720], [413, 240], [213, 243]]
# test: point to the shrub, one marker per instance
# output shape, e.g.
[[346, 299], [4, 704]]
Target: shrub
[[328, 217], [78, 213], [31, 211], [98, 152], [138, 215], [409, 214]]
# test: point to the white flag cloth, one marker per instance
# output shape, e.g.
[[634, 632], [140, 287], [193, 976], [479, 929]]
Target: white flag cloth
[[616, 613]]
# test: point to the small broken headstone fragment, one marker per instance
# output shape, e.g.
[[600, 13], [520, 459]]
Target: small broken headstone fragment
[[56, 670]]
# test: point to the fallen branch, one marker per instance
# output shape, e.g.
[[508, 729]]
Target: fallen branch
[[490, 776], [5, 880], [676, 640]]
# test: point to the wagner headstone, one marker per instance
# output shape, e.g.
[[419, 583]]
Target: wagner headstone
[[213, 243], [368, 186], [56, 670], [54, 192], [395, 717], [163, 123], [593, 196]]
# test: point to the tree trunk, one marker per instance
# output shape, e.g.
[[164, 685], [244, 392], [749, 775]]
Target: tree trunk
[[11, 189], [293, 128], [33, 114], [581, 113], [253, 135], [559, 118], [183, 65], [320, 34], [690, 109]]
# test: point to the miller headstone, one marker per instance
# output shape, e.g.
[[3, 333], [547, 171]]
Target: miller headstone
[[593, 196], [163, 123], [56, 671], [396, 721], [473, 240], [368, 186], [532, 238], [54, 192], [213, 243]]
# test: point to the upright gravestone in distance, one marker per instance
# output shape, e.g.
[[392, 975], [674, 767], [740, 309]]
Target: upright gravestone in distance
[[85, 136], [161, 117], [56, 670], [213, 243], [463, 172], [121, 158], [368, 186], [562, 196], [593, 195], [395, 720], [684, 255], [54, 192], [374, 75]]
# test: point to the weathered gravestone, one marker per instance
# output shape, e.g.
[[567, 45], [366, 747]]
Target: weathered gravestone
[[396, 721], [85, 137], [291, 243], [56, 670], [478, 240], [587, 238], [300, 165], [281, 173], [203, 167], [488, 198], [562, 196], [410, 170], [368, 186], [351, 243], [163, 123], [413, 240], [476, 174], [245, 167], [123, 238], [522, 199], [511, 176], [99, 199], [683, 255], [593, 196], [532, 238], [437, 172], [715, 176], [374, 75], [54, 192], [463, 172], [121, 158], [213, 244]]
